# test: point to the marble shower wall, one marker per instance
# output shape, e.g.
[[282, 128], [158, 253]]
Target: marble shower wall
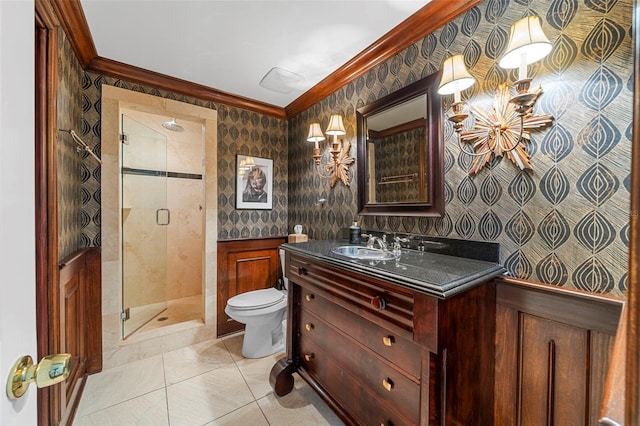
[[239, 132], [566, 221]]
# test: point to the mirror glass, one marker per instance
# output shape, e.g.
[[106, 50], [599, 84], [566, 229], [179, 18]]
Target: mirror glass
[[400, 153]]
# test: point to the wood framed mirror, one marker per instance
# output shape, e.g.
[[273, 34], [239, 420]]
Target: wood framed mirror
[[400, 152]]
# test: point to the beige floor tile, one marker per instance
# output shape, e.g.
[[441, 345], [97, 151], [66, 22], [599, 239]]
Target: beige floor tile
[[145, 410], [256, 373], [234, 344], [193, 360], [300, 407], [206, 397], [119, 384], [249, 415]]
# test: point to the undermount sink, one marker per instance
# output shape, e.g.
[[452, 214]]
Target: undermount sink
[[364, 253]]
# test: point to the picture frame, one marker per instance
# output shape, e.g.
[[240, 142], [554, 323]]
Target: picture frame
[[254, 183]]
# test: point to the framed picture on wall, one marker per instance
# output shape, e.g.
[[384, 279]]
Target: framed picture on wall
[[254, 182]]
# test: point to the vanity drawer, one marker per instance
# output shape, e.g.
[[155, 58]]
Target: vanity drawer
[[347, 390], [380, 302], [392, 346], [387, 381]]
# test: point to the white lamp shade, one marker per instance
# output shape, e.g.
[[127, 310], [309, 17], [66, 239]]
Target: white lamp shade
[[336, 127], [527, 42], [455, 76], [315, 133]]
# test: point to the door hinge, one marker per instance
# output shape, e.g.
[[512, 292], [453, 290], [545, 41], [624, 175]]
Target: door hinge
[[125, 315], [124, 138]]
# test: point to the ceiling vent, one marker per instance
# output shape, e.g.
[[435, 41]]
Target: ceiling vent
[[281, 81]]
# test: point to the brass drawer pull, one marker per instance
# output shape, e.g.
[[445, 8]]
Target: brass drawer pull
[[378, 303], [387, 384], [309, 297], [388, 340], [302, 271], [308, 357], [308, 326]]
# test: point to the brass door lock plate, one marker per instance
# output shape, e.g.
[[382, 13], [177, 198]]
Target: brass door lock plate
[[50, 370]]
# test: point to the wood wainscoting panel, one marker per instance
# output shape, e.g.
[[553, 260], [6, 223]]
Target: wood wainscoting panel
[[80, 324], [553, 347], [244, 265]]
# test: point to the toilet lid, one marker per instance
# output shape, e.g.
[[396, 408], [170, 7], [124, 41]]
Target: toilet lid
[[256, 299]]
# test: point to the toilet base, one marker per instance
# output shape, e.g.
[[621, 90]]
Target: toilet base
[[261, 341]]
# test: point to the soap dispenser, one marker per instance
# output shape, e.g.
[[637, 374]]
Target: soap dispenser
[[354, 233]]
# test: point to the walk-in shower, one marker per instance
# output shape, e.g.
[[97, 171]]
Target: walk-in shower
[[162, 221]]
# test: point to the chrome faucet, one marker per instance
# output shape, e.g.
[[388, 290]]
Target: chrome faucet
[[397, 244], [382, 242]]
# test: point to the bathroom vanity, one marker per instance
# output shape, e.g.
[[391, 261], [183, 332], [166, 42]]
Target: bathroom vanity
[[396, 342]]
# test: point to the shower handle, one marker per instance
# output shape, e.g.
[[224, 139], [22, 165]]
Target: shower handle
[[158, 217]]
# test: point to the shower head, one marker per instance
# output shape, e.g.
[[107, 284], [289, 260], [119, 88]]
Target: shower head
[[173, 126]]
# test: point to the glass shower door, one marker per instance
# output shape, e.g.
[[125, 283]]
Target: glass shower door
[[145, 218]]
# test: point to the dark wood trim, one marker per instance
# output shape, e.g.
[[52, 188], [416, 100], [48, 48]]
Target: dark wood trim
[[561, 304], [400, 128], [632, 391], [74, 24], [612, 410], [81, 321], [46, 217], [432, 203], [123, 71], [94, 309], [426, 20], [598, 316], [242, 250]]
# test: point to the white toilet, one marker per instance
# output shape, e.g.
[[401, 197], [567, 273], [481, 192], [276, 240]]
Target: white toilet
[[263, 312]]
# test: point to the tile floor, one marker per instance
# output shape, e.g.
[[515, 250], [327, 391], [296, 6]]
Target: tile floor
[[209, 383]]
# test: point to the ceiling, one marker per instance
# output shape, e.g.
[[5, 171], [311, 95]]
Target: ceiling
[[229, 45]]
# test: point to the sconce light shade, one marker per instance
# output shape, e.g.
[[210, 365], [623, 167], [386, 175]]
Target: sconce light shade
[[527, 43], [336, 127], [315, 133], [455, 76]]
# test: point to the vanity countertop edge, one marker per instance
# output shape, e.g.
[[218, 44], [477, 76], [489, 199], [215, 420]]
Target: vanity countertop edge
[[438, 275]]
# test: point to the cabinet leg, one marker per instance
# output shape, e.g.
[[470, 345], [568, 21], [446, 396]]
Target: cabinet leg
[[280, 378]]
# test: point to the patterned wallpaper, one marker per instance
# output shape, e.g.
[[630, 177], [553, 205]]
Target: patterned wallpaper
[[566, 221], [70, 162], [239, 132], [397, 155]]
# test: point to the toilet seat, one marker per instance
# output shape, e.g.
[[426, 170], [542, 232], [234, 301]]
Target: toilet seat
[[256, 299]]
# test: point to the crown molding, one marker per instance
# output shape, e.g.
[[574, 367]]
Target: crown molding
[[74, 23], [425, 21], [161, 81]]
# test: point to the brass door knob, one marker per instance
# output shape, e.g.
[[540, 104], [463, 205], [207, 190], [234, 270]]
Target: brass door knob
[[308, 357], [388, 340], [387, 384], [50, 370], [308, 326], [309, 297]]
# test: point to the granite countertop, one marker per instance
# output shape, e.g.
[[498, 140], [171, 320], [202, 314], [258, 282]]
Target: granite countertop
[[436, 274]]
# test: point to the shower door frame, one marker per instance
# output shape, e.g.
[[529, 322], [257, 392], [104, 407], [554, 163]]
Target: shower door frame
[[152, 256]]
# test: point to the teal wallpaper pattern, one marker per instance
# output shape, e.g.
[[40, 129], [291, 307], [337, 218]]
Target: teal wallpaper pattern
[[239, 132], [566, 221]]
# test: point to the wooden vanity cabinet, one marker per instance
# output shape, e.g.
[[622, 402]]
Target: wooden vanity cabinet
[[383, 354]]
